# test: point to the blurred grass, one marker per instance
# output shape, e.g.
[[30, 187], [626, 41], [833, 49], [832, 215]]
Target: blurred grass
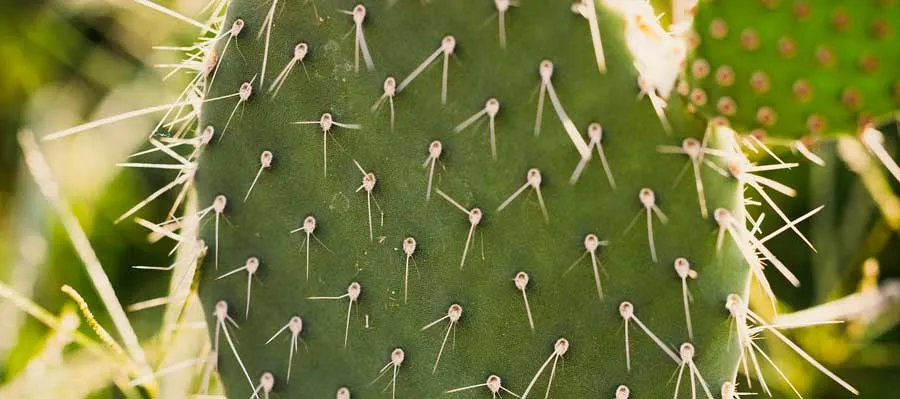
[[68, 61]]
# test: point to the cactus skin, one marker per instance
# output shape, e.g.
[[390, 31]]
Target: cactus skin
[[492, 336], [842, 54]]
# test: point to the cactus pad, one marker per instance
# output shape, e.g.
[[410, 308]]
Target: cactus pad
[[795, 68], [368, 222]]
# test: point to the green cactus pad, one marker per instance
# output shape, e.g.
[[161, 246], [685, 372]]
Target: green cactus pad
[[796, 68], [492, 336]]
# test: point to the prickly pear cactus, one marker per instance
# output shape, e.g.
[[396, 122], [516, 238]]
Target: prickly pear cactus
[[397, 214], [795, 68]]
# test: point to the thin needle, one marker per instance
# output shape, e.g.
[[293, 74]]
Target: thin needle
[[874, 141], [353, 292], [546, 73], [453, 314], [128, 115], [521, 282], [434, 153], [474, 216], [491, 108], [684, 271], [533, 179], [448, 45], [409, 247], [265, 160], [559, 349], [359, 44], [267, 23]]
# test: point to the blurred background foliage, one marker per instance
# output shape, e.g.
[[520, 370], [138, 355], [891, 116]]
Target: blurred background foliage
[[70, 61], [67, 61]]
